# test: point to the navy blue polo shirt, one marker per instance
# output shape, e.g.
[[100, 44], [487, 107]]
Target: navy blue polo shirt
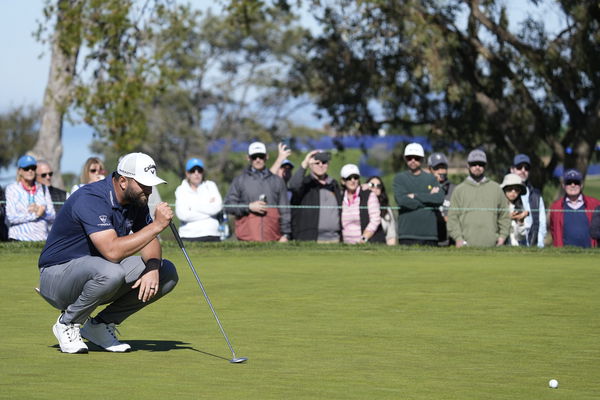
[[92, 208]]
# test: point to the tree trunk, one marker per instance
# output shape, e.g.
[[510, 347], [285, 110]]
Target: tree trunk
[[57, 96]]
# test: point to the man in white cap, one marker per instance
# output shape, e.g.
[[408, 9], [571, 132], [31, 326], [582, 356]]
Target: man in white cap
[[478, 214], [418, 196], [89, 258], [250, 195]]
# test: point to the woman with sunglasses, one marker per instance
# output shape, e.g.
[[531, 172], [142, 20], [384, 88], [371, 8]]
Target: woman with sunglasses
[[361, 216], [29, 209], [92, 171], [198, 204], [388, 220], [513, 188]]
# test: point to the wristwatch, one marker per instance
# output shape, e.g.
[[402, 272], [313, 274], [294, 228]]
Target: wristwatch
[[364, 239]]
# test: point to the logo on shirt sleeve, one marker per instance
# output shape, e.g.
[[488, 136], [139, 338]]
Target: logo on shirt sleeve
[[103, 220]]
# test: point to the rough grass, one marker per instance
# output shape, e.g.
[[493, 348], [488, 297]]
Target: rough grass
[[327, 322]]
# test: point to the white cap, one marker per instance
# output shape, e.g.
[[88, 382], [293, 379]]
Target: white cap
[[349, 169], [414, 149], [257, 148], [140, 167]]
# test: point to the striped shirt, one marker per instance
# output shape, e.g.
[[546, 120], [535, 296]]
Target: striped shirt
[[22, 224], [351, 231]]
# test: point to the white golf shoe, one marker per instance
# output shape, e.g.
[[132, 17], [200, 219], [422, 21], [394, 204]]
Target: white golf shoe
[[104, 336], [69, 338]]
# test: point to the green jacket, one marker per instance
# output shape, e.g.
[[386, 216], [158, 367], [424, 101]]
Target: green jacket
[[478, 213], [416, 216]]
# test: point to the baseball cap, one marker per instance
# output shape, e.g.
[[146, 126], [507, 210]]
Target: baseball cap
[[348, 170], [26, 161], [140, 167], [287, 162], [257, 148], [512, 180], [414, 149], [572, 175], [477, 156], [193, 162], [521, 159], [323, 156], [436, 159]]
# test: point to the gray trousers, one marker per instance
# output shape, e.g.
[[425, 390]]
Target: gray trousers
[[79, 286]]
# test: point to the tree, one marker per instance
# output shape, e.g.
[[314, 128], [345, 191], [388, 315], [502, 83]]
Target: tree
[[18, 133], [405, 64]]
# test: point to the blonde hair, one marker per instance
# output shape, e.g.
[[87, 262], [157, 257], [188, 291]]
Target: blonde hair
[[85, 176]]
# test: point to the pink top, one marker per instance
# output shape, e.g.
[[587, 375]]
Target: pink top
[[351, 231]]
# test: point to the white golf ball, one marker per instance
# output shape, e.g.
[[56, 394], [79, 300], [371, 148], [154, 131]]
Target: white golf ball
[[553, 383]]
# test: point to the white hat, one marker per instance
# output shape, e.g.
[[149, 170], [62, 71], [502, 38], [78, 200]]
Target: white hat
[[140, 167], [513, 180], [257, 148], [349, 169], [414, 149]]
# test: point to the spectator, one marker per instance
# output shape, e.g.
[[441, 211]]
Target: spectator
[[44, 175], [532, 201], [90, 257], [92, 171], [438, 167], [3, 226], [595, 229], [418, 195], [257, 187], [571, 215], [319, 197], [198, 204], [388, 221], [478, 214], [29, 209], [361, 215], [513, 187], [283, 167]]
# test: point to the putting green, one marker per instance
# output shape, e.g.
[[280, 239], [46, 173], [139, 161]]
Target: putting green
[[327, 322]]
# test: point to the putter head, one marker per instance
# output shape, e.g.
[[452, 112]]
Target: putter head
[[238, 360]]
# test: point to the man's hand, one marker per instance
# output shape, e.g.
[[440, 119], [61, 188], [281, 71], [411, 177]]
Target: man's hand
[[163, 214], [307, 159], [283, 239], [284, 152], [148, 284], [460, 243], [434, 190], [411, 195], [258, 207], [500, 241]]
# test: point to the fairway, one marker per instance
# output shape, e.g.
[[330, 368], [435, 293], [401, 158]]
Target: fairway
[[327, 322]]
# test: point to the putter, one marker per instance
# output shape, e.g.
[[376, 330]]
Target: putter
[[234, 359]]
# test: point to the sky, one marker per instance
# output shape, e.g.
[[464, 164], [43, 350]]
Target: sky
[[25, 63]]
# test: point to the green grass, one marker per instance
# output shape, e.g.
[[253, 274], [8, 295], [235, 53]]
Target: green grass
[[328, 322]]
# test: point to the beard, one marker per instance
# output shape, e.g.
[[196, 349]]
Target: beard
[[138, 199]]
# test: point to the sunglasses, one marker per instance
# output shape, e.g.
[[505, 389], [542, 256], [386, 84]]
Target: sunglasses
[[318, 163], [375, 185], [477, 164], [441, 166], [524, 167], [195, 169], [413, 158], [576, 183], [47, 174], [353, 177], [255, 156], [29, 168], [94, 170], [512, 189]]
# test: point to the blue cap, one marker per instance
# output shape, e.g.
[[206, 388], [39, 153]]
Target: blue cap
[[287, 162], [193, 162], [572, 175], [521, 159], [26, 161]]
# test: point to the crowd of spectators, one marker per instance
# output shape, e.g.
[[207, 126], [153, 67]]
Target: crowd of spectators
[[284, 203]]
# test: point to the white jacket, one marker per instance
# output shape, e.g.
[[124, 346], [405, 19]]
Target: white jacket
[[197, 209]]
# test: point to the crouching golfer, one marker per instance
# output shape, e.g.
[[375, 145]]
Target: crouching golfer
[[89, 256]]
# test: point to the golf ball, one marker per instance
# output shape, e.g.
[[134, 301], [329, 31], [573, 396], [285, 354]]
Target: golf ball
[[553, 383]]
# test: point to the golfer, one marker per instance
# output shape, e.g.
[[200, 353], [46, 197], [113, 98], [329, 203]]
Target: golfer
[[89, 256]]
